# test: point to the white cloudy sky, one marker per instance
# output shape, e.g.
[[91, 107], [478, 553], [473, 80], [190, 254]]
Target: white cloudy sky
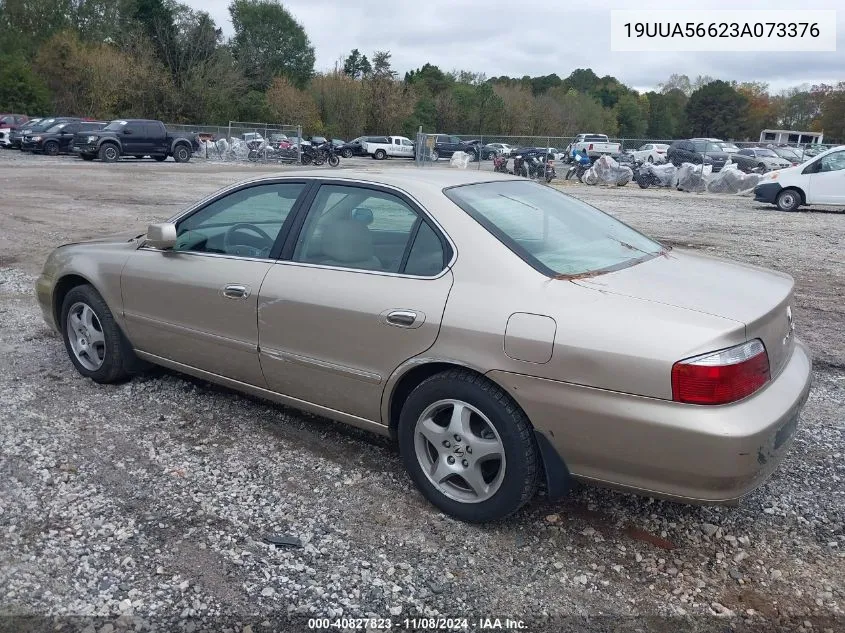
[[516, 38]]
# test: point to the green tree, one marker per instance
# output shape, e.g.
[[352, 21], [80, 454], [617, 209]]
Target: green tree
[[631, 116], [832, 118], [269, 42], [356, 65], [666, 118], [717, 109], [21, 90]]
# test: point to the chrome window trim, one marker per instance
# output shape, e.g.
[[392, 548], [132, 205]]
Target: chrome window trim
[[382, 273]]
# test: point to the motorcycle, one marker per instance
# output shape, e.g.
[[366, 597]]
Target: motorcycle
[[261, 150], [577, 170], [500, 164], [327, 153]]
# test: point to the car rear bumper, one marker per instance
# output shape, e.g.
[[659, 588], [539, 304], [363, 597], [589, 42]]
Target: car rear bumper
[[767, 192], [693, 453]]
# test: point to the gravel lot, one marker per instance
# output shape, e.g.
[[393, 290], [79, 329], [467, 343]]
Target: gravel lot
[[143, 506]]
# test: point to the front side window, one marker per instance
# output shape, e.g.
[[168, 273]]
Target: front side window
[[833, 162], [361, 228], [553, 232], [115, 126], [244, 223]]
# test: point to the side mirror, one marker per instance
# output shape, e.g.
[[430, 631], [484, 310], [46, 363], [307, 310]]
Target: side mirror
[[161, 236]]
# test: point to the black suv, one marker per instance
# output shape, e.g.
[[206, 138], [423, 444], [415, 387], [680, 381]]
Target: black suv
[[445, 145], [16, 136], [58, 138], [355, 147], [696, 151], [134, 137]]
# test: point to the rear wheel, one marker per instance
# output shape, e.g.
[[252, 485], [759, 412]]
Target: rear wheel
[[468, 447], [435, 155], [51, 148], [380, 154], [788, 200], [347, 153], [334, 161], [181, 154], [109, 153]]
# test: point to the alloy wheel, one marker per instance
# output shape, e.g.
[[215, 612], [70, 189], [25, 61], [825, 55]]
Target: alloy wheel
[[460, 451], [86, 337]]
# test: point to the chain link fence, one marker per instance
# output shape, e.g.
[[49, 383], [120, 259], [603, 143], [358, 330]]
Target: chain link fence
[[245, 141], [432, 149]]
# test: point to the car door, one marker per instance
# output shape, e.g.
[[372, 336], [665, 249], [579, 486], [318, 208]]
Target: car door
[[827, 183], [361, 288], [197, 303], [156, 139], [66, 136]]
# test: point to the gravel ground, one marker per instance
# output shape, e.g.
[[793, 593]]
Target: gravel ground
[[144, 506]]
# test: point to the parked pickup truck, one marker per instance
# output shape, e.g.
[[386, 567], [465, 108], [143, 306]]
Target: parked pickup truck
[[134, 137], [395, 147], [595, 144]]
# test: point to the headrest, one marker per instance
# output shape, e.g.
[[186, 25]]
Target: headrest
[[347, 241]]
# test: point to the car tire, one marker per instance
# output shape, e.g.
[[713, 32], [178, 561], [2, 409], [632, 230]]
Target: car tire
[[181, 153], [650, 159], [380, 154], [788, 200], [432, 445], [99, 351], [109, 153], [160, 159], [435, 155], [333, 160], [347, 153], [51, 148]]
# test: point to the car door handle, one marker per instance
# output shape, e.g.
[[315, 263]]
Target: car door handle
[[235, 291], [403, 318]]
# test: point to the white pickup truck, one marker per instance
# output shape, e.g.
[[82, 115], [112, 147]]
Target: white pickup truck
[[595, 144], [396, 147]]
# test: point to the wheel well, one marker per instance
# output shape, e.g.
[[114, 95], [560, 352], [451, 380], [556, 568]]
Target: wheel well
[[800, 193], [407, 384], [64, 286]]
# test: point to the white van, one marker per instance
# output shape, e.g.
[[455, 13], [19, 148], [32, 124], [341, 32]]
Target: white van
[[818, 181]]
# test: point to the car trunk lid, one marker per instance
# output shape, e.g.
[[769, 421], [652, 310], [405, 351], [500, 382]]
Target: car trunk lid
[[758, 298]]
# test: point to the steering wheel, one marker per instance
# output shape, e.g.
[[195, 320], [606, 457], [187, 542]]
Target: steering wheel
[[232, 247]]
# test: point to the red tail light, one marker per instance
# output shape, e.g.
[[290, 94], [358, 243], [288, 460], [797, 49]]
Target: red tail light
[[721, 377]]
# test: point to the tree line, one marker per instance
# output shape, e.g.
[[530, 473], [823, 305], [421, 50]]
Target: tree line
[[161, 59]]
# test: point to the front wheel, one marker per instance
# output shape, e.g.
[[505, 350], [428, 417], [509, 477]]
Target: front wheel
[[788, 200], [109, 153], [347, 153], [643, 181], [51, 148], [333, 161], [435, 155], [468, 447], [93, 340]]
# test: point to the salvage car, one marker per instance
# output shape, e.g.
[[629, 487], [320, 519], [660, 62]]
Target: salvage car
[[820, 180], [8, 124], [505, 334], [33, 127], [697, 151], [58, 138], [651, 152], [762, 158], [134, 137]]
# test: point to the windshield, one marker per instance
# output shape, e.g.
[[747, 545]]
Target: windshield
[[786, 152], [553, 232], [42, 125], [766, 152], [115, 125], [729, 147]]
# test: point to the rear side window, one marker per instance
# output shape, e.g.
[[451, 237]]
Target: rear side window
[[426, 258]]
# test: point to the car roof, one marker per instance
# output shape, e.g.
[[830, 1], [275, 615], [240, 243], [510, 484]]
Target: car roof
[[413, 180]]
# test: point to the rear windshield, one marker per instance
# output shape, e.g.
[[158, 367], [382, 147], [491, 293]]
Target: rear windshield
[[553, 232]]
